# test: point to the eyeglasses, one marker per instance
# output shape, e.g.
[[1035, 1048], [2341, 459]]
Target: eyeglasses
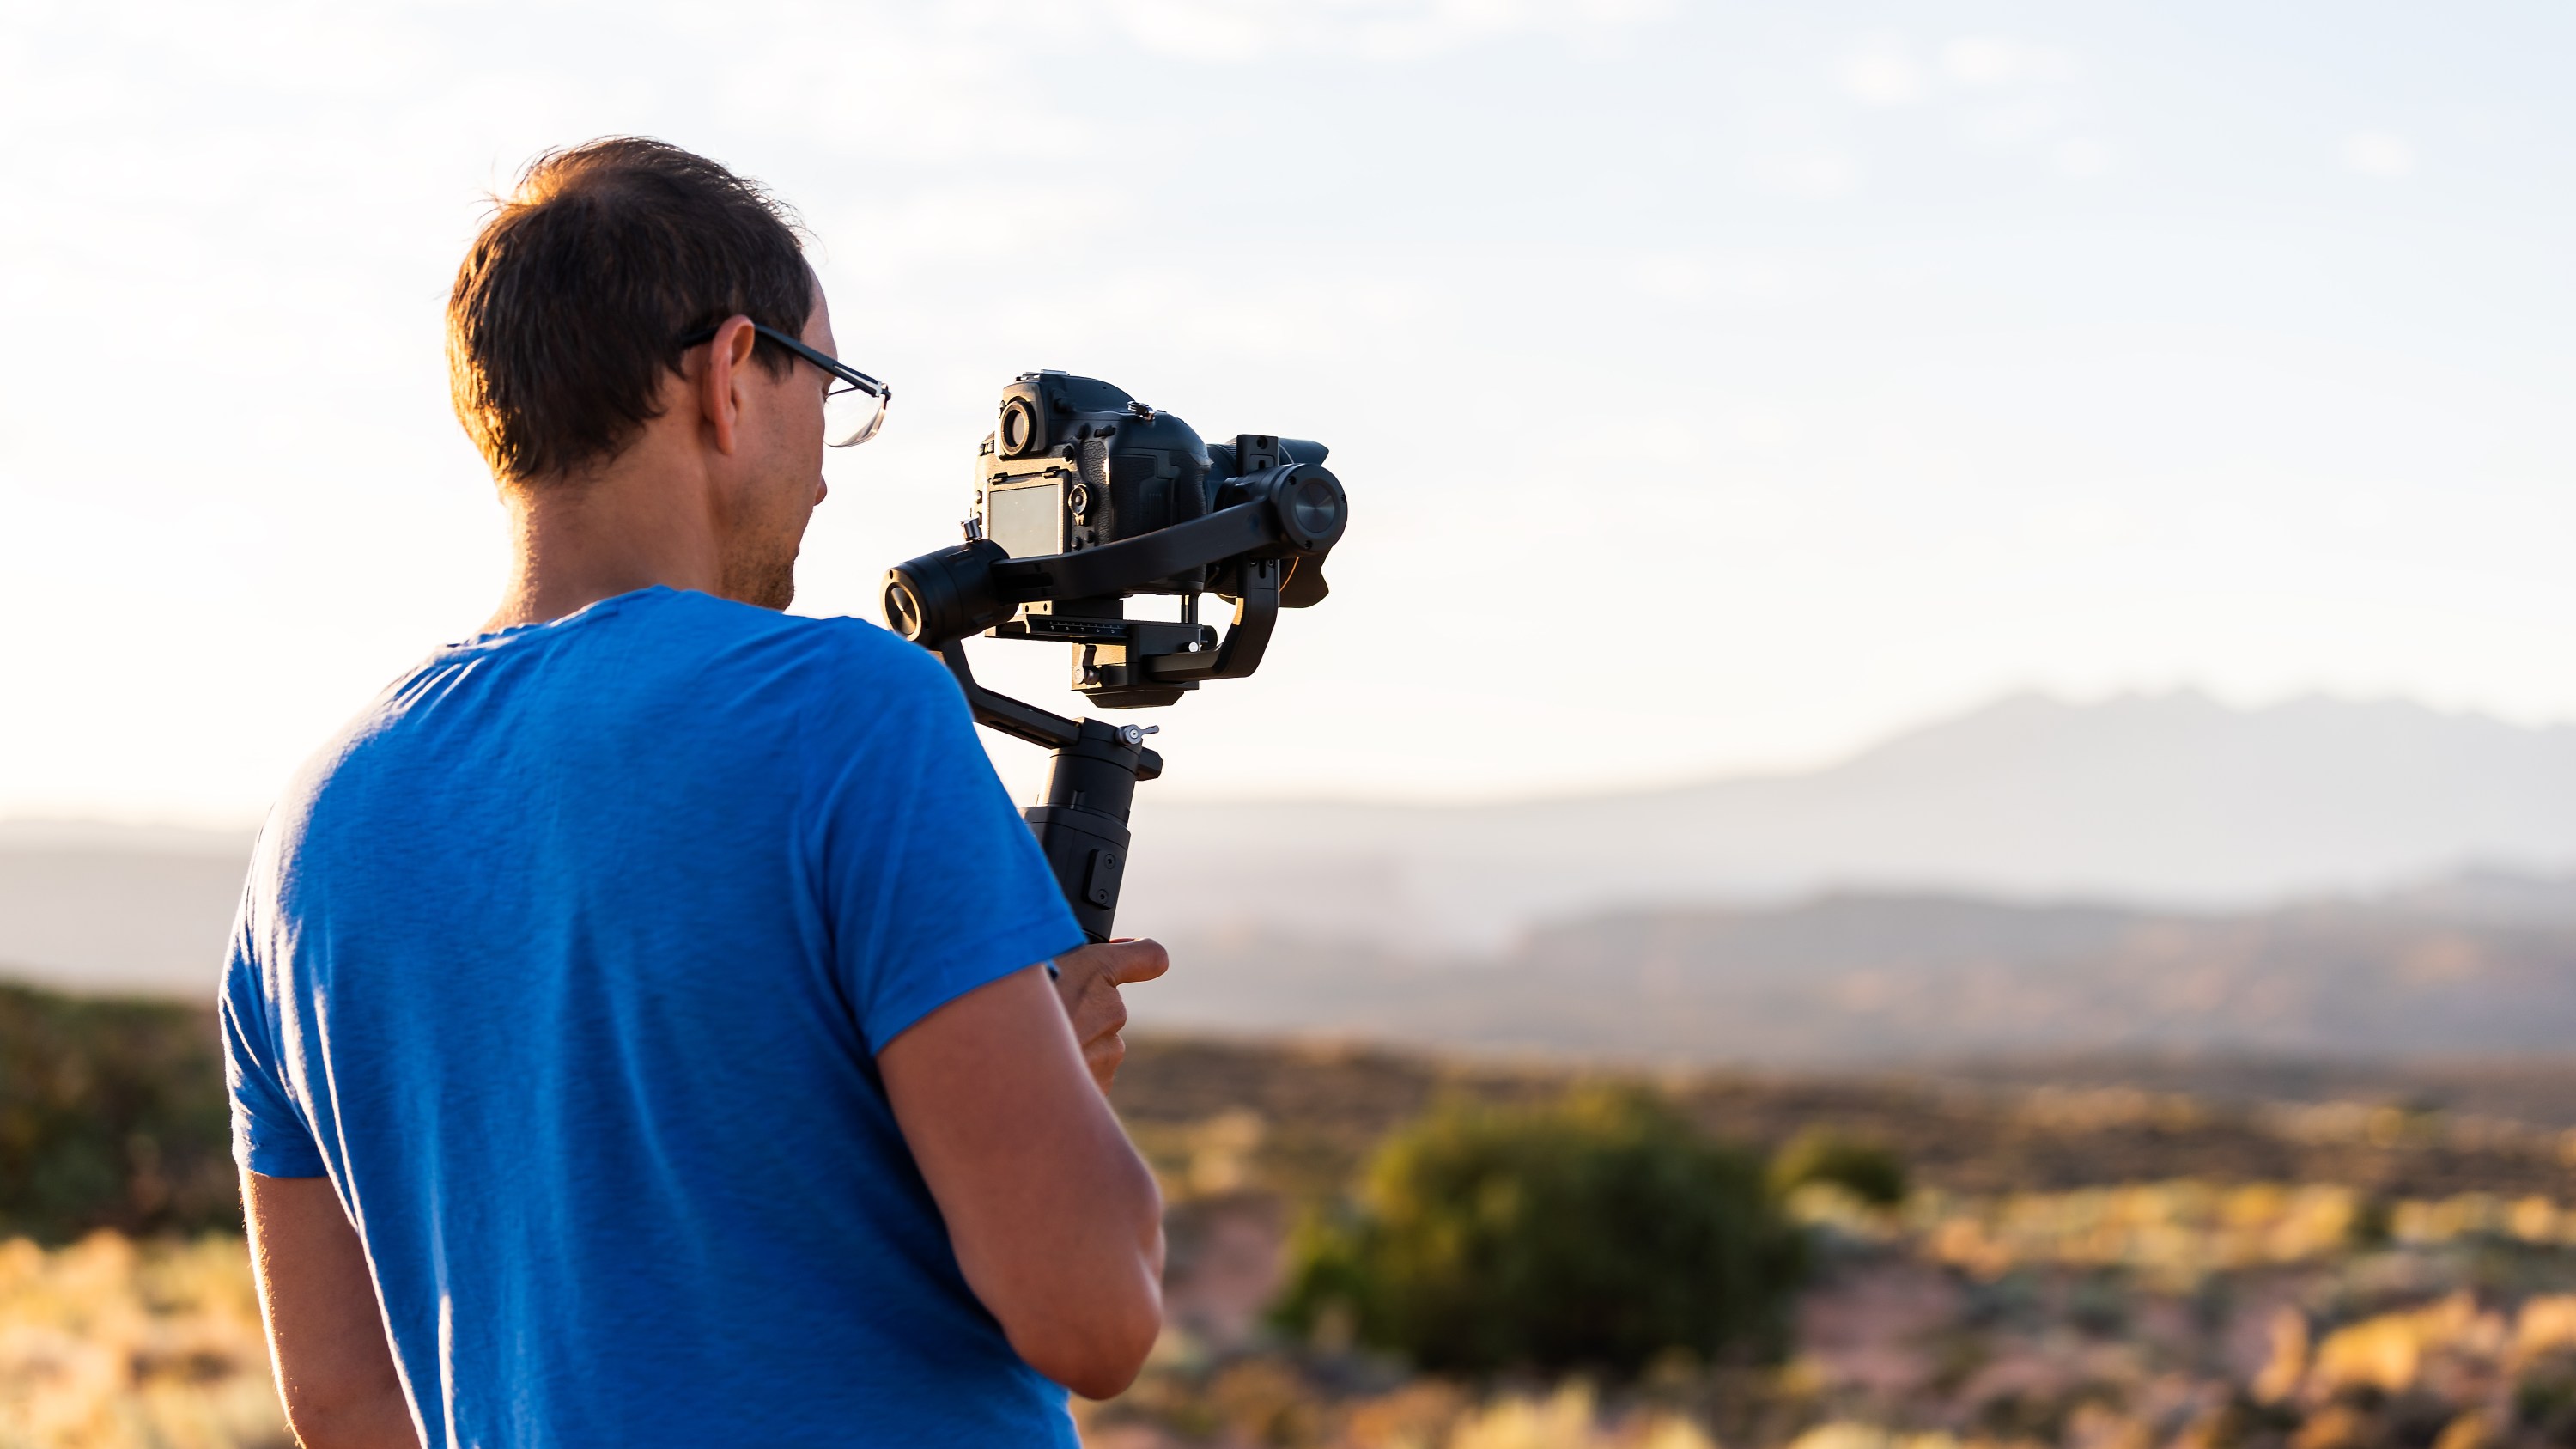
[[854, 404]]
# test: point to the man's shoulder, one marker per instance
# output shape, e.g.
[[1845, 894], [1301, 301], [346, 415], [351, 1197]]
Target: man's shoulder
[[660, 662], [653, 646], [833, 653]]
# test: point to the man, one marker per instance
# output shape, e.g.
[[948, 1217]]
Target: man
[[639, 1023]]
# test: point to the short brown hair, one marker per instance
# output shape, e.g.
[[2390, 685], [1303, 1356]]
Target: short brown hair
[[572, 300]]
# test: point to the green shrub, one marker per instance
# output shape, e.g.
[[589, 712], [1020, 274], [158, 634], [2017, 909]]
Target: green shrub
[[112, 1115], [1596, 1233], [1867, 1170]]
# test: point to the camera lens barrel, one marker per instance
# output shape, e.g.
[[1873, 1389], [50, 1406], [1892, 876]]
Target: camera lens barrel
[[947, 595]]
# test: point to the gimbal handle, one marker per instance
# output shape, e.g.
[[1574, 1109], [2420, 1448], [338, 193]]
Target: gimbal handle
[[1081, 823]]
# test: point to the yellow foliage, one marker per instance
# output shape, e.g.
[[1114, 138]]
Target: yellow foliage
[[2334, 1427], [2174, 1233], [2388, 1352], [1568, 1419], [2469, 1431], [1845, 1434], [1561, 1421], [2288, 1367], [2535, 1220], [108, 1344], [1413, 1417], [2547, 1322], [1667, 1432], [1221, 1151]]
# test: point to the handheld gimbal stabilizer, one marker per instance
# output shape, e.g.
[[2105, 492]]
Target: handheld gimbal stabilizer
[[1085, 497]]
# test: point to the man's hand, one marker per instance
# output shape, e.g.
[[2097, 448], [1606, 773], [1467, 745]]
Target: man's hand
[[1088, 980]]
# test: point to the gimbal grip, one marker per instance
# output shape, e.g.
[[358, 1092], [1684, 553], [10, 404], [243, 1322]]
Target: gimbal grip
[[1082, 827]]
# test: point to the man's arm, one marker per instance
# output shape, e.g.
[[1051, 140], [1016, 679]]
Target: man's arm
[[1055, 1220], [326, 1332]]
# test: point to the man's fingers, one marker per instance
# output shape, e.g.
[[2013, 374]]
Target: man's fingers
[[1100, 1014], [1119, 963], [1132, 961], [1102, 1056], [1089, 981]]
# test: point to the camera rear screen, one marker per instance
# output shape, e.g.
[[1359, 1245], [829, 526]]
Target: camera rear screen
[[1026, 521]]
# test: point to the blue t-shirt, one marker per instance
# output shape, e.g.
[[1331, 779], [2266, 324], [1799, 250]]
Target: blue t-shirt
[[568, 961]]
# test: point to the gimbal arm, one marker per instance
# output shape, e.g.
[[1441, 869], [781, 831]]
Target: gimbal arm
[[1130, 564], [1295, 510], [1022, 720]]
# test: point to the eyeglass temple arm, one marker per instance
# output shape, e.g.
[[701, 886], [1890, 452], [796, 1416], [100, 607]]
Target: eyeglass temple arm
[[832, 365]]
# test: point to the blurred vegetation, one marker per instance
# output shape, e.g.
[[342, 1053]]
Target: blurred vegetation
[[115, 1344], [2417, 1292], [1324, 1107], [1865, 1168], [112, 1115], [1598, 1232]]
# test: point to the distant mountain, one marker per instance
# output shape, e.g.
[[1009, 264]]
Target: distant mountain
[[2174, 799], [1853, 979], [2173, 802]]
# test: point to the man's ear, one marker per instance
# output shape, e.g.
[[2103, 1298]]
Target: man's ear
[[719, 390]]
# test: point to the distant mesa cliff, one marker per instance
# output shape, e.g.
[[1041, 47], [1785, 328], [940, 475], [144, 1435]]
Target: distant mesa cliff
[[2481, 965], [2172, 800], [2321, 877]]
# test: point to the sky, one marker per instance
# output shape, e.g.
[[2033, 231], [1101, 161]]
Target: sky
[[1719, 387]]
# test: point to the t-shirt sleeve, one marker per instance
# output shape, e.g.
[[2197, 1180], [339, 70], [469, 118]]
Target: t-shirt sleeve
[[934, 885], [270, 1135]]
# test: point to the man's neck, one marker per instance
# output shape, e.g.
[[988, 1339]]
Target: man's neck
[[576, 542]]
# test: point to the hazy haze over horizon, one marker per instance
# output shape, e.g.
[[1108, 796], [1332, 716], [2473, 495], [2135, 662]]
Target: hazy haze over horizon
[[1719, 390], [120, 830], [2174, 803]]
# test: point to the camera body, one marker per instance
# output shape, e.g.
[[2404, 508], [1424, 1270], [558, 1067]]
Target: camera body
[[1074, 463]]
